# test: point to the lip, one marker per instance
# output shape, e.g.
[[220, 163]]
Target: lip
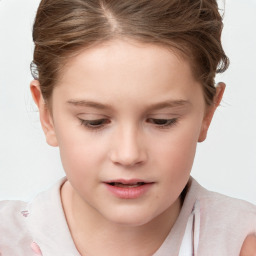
[[128, 189]]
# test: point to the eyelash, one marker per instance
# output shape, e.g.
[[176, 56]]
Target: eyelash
[[163, 123], [98, 124]]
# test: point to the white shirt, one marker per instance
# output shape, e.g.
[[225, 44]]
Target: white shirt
[[208, 224]]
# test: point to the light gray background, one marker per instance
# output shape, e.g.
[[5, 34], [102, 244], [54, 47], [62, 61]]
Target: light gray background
[[225, 162]]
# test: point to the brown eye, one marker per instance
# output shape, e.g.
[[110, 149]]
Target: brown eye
[[162, 122]]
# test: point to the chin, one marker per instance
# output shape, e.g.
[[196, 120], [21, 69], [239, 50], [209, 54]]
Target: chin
[[131, 218]]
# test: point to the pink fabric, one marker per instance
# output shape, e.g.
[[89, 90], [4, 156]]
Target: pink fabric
[[36, 248]]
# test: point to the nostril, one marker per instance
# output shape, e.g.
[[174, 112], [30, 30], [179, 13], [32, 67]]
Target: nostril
[[36, 248]]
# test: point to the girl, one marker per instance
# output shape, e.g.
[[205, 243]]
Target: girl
[[126, 89]]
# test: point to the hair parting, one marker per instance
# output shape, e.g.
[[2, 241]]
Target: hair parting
[[191, 27]]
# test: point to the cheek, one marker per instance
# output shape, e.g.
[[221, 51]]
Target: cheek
[[176, 152], [184, 148], [79, 161], [79, 152]]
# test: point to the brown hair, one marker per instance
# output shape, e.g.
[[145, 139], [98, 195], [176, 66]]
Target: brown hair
[[63, 27]]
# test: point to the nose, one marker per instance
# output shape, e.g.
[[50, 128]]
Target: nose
[[128, 148]]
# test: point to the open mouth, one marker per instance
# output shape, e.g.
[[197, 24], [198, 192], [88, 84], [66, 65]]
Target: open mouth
[[122, 185], [128, 189]]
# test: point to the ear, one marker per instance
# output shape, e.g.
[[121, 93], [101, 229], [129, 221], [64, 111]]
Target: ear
[[210, 111], [45, 114]]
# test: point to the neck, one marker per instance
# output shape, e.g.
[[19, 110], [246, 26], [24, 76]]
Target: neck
[[94, 235]]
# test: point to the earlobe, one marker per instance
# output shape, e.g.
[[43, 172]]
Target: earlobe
[[210, 111], [45, 114]]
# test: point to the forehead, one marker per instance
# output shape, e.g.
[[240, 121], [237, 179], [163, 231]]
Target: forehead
[[126, 68]]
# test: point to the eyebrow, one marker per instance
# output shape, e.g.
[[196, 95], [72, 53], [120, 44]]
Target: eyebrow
[[169, 104], [156, 106], [85, 103]]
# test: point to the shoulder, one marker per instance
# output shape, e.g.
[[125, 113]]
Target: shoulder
[[13, 227], [23, 223], [218, 204], [12, 215], [225, 222]]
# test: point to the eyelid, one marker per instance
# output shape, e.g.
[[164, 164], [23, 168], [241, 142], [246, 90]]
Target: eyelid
[[165, 115], [163, 122], [94, 124], [91, 116]]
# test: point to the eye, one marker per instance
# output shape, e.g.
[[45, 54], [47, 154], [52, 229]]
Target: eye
[[94, 124], [163, 123]]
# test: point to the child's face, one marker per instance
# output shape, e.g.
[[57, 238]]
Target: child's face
[[127, 112]]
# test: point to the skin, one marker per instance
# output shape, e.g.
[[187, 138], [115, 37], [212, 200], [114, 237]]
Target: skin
[[249, 246], [150, 114]]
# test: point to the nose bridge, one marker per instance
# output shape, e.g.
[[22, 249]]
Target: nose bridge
[[128, 148]]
